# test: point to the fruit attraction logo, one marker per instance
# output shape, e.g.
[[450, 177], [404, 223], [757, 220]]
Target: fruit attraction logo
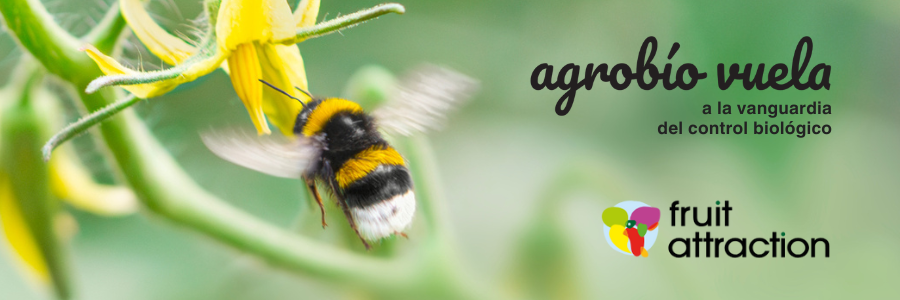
[[630, 227]]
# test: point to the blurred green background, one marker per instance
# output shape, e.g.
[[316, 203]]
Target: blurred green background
[[503, 149]]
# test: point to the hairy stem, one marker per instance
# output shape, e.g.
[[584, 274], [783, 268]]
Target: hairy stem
[[343, 22], [85, 123]]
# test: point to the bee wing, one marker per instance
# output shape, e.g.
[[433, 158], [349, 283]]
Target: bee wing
[[423, 99], [267, 154]]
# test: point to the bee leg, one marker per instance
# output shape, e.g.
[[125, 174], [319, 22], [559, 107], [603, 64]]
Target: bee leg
[[403, 234], [315, 192], [353, 225]]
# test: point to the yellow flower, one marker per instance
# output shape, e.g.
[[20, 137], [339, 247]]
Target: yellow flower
[[249, 39], [245, 33]]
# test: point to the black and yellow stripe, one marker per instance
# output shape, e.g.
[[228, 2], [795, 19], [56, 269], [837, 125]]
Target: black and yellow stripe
[[366, 161]]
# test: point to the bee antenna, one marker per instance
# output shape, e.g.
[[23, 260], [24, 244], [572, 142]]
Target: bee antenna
[[285, 93], [303, 91]]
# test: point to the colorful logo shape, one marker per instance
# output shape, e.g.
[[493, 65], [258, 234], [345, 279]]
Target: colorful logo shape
[[630, 227]]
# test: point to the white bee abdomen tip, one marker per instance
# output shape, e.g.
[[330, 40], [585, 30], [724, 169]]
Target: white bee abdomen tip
[[385, 218]]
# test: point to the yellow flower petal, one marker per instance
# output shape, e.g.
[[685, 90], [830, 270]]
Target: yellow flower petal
[[245, 75], [70, 181], [200, 67], [244, 21], [283, 68], [171, 49], [110, 66], [293, 66], [19, 235], [306, 13]]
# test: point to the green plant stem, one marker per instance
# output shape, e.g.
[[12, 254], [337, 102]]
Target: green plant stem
[[26, 76], [85, 123], [44, 39], [52, 45], [343, 22], [167, 191], [23, 128], [441, 272], [106, 34]]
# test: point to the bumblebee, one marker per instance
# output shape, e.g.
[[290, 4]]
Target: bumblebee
[[341, 146]]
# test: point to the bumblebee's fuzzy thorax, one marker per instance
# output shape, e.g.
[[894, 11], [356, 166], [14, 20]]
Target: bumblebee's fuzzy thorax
[[303, 116], [318, 113]]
